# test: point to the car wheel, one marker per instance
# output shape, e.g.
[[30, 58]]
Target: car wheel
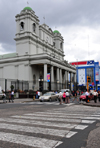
[[50, 99]]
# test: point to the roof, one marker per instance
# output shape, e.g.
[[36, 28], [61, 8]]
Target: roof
[[27, 8], [7, 55], [56, 31]]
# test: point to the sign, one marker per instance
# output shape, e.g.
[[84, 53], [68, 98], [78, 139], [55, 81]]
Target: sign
[[90, 62], [96, 71], [48, 77], [93, 83]]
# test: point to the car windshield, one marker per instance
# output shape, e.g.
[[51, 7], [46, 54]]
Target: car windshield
[[63, 91], [47, 94]]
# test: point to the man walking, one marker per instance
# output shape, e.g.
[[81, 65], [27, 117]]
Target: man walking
[[95, 96], [12, 96]]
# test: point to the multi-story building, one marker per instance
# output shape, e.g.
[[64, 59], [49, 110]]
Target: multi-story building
[[88, 74]]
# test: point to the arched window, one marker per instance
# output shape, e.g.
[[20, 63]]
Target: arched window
[[34, 27], [21, 26]]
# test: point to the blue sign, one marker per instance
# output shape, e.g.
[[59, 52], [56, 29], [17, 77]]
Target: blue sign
[[90, 62]]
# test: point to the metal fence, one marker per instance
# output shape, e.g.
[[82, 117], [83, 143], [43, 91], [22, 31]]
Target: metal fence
[[29, 88]]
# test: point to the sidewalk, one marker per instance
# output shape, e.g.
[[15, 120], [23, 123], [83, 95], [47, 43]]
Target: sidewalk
[[91, 103], [21, 100]]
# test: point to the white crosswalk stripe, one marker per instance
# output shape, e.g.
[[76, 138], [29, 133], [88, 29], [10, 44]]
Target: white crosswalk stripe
[[58, 123], [28, 140], [56, 119], [54, 132], [49, 103], [64, 116]]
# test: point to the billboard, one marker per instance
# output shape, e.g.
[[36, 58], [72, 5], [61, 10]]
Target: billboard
[[48, 77], [96, 71]]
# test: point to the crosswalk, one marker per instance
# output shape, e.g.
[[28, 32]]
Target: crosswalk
[[44, 129], [49, 103]]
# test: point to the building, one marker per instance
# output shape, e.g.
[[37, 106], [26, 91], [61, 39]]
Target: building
[[88, 74], [38, 63]]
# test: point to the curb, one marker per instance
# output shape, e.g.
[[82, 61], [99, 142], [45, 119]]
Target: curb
[[91, 105]]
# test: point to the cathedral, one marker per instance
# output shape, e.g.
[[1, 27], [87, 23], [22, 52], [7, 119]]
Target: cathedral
[[39, 58]]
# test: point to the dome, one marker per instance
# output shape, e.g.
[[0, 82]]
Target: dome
[[27, 8], [56, 31]]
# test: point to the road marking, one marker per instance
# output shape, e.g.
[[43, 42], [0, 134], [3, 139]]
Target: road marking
[[47, 131], [91, 118], [88, 121], [81, 127], [48, 119], [50, 103], [70, 134], [32, 122], [55, 119], [62, 116], [28, 140], [61, 113]]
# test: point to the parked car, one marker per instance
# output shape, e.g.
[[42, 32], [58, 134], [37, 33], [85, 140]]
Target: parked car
[[83, 97], [49, 96]]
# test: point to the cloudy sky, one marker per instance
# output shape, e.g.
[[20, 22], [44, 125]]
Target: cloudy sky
[[78, 21]]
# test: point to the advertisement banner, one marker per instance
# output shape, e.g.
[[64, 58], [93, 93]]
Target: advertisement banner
[[97, 71], [48, 77]]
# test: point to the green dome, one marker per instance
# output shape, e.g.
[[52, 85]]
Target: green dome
[[56, 31], [27, 8]]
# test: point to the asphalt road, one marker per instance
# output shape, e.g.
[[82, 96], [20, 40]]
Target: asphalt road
[[46, 125]]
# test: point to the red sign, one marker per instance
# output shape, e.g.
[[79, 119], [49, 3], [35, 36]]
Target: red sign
[[92, 83]]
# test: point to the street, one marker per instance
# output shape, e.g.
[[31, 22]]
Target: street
[[46, 125]]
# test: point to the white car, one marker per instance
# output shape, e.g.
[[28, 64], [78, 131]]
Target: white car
[[49, 96]]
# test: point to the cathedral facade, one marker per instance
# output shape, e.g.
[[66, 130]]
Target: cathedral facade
[[39, 58]]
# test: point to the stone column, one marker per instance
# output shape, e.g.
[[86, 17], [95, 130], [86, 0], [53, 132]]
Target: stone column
[[52, 78], [74, 77], [45, 77], [66, 78], [58, 81], [71, 75], [60, 78]]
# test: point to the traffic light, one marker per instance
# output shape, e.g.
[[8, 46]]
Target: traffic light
[[88, 79]]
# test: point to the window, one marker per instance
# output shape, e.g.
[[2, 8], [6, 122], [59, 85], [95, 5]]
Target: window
[[34, 27], [21, 26], [53, 43], [60, 45], [34, 79]]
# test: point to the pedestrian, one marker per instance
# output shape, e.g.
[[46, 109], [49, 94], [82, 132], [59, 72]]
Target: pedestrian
[[4, 97], [87, 96], [12, 96], [67, 97], [64, 97], [99, 96], [95, 96], [38, 94], [56, 92], [75, 96], [60, 97]]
